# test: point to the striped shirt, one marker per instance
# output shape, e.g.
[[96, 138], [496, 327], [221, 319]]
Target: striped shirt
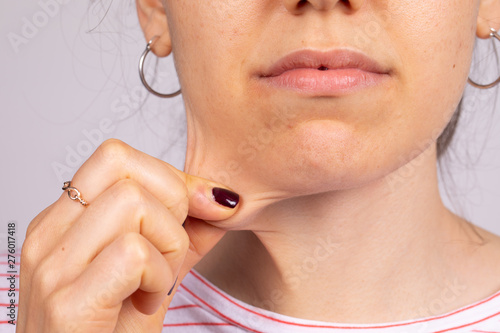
[[199, 306]]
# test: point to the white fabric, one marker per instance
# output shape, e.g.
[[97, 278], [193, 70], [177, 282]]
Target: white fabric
[[199, 306]]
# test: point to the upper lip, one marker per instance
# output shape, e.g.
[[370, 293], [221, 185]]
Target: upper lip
[[333, 59]]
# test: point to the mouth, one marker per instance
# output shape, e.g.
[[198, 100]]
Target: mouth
[[335, 72]]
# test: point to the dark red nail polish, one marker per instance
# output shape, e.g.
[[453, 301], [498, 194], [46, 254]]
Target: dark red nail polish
[[225, 197], [171, 289]]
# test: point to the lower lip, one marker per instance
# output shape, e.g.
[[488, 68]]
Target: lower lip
[[327, 82]]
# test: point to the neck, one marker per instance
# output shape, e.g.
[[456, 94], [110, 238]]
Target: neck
[[369, 254]]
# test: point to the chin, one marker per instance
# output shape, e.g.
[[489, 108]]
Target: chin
[[318, 156]]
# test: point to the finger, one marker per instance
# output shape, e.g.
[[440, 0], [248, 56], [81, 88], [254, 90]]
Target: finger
[[126, 207], [183, 194], [115, 160], [202, 238], [127, 265]]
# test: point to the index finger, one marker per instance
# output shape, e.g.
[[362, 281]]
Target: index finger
[[182, 193]]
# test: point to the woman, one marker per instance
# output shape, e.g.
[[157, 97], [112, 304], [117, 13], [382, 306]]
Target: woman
[[309, 199]]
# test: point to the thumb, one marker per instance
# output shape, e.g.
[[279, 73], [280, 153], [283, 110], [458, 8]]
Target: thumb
[[208, 201]]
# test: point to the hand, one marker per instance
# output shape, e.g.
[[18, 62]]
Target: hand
[[108, 266]]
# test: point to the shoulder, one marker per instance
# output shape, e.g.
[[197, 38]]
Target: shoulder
[[472, 259], [481, 260]]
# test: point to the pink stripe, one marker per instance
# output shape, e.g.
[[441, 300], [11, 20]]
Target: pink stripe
[[344, 327], [462, 326], [216, 311], [197, 324], [183, 307]]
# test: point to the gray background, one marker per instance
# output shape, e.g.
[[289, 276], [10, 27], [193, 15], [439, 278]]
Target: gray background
[[70, 82]]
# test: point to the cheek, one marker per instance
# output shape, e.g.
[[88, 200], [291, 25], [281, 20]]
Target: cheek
[[210, 39], [435, 54]]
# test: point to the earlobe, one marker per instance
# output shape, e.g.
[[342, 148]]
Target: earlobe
[[488, 16], [153, 21]]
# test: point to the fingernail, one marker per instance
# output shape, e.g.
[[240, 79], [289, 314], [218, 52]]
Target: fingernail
[[171, 289], [225, 197]]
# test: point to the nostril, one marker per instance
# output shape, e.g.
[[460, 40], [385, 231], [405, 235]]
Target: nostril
[[301, 3]]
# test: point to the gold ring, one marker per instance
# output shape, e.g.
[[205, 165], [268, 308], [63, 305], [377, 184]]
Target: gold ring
[[73, 193]]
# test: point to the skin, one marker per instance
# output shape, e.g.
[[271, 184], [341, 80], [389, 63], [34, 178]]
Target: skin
[[356, 172], [374, 196], [353, 182]]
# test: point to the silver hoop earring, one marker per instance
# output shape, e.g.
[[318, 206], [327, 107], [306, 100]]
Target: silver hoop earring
[[143, 79], [493, 33]]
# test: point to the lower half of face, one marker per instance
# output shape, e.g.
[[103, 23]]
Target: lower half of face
[[295, 133]]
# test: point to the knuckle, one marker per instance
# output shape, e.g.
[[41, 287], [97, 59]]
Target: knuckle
[[178, 201], [39, 219], [181, 207], [128, 192], [113, 150], [181, 191], [56, 313], [180, 242], [30, 229], [135, 248], [44, 279], [34, 232], [28, 253]]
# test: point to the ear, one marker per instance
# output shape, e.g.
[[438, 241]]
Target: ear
[[488, 16], [153, 22]]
